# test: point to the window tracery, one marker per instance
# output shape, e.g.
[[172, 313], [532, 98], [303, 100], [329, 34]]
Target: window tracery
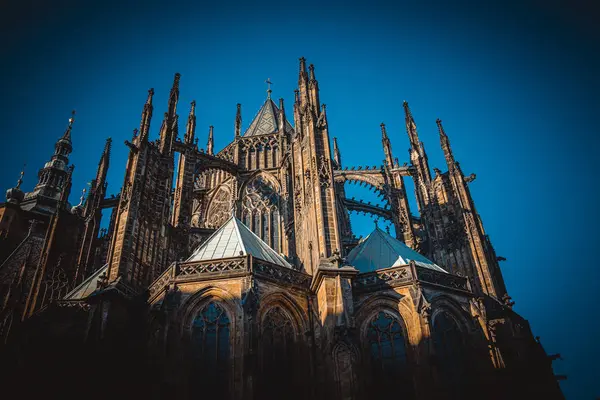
[[210, 349], [260, 211], [387, 350], [220, 207]]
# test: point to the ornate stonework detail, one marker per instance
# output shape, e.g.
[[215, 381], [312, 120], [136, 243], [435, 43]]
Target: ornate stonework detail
[[389, 276], [281, 274], [308, 186], [324, 172], [219, 210], [211, 267]]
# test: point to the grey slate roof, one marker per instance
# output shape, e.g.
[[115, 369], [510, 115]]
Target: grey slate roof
[[234, 239], [380, 250], [266, 121]]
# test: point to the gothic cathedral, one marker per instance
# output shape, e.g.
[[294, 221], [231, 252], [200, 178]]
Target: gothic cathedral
[[235, 274]]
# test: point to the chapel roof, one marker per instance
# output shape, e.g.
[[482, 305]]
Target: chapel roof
[[234, 239], [380, 250], [267, 120]]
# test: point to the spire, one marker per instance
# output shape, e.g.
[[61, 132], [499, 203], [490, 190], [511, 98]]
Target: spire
[[211, 142], [303, 82], [445, 142], [168, 131], [146, 117], [190, 129], [238, 121], [15, 195], [411, 127], [313, 89], [337, 157], [174, 96], [387, 147], [269, 91], [67, 134], [103, 163], [282, 119]]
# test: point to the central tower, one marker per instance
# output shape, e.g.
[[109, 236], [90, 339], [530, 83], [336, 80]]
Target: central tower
[[315, 215]]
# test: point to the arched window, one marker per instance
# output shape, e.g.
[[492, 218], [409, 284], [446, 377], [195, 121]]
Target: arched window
[[210, 350], [278, 356], [262, 200], [450, 351], [387, 349]]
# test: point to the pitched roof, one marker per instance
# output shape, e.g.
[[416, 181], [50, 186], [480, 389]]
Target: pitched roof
[[87, 287], [266, 121], [234, 239], [380, 250]]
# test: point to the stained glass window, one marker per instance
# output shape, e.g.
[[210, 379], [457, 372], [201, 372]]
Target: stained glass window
[[387, 349], [210, 349], [450, 350]]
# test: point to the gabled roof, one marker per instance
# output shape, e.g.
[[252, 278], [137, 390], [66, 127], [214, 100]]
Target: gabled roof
[[266, 121], [380, 250], [234, 239], [87, 287]]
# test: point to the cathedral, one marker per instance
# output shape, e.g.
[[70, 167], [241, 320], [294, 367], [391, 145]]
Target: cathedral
[[235, 273]]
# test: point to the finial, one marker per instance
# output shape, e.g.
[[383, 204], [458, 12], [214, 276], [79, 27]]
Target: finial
[[72, 119], [269, 91], [193, 107], [238, 120], [311, 71], [376, 225], [20, 181], [383, 131], [297, 96], [302, 64], [135, 132]]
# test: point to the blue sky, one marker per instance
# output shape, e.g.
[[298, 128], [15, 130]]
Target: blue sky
[[515, 85]]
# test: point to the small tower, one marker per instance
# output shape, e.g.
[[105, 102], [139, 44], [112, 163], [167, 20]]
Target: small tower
[[210, 145]]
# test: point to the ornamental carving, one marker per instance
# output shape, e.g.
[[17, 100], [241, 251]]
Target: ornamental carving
[[220, 207], [324, 172]]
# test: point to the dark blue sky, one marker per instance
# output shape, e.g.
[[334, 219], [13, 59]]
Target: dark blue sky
[[516, 86]]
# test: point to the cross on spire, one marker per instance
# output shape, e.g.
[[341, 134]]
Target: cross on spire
[[269, 83]]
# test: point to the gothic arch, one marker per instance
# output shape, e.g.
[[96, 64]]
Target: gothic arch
[[220, 206], [443, 303], [289, 305], [261, 208], [196, 302]]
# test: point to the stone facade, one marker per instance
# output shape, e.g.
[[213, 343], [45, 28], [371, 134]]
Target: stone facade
[[147, 320]]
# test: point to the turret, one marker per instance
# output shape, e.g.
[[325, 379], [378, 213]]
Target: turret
[[313, 89], [282, 119], [418, 158], [303, 83]]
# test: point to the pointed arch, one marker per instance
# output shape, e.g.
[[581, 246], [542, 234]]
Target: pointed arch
[[219, 207]]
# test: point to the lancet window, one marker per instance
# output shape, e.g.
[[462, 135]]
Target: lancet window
[[260, 211], [450, 350], [220, 208], [211, 349], [388, 357]]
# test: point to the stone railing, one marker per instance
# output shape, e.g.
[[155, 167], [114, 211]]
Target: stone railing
[[281, 274], [442, 279], [389, 276], [407, 274]]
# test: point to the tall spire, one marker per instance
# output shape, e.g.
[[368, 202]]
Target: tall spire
[[282, 119], [67, 134], [168, 131], [146, 117], [411, 127], [238, 121], [190, 129], [104, 163], [445, 142], [211, 142], [313, 89], [303, 82], [337, 157], [387, 147]]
